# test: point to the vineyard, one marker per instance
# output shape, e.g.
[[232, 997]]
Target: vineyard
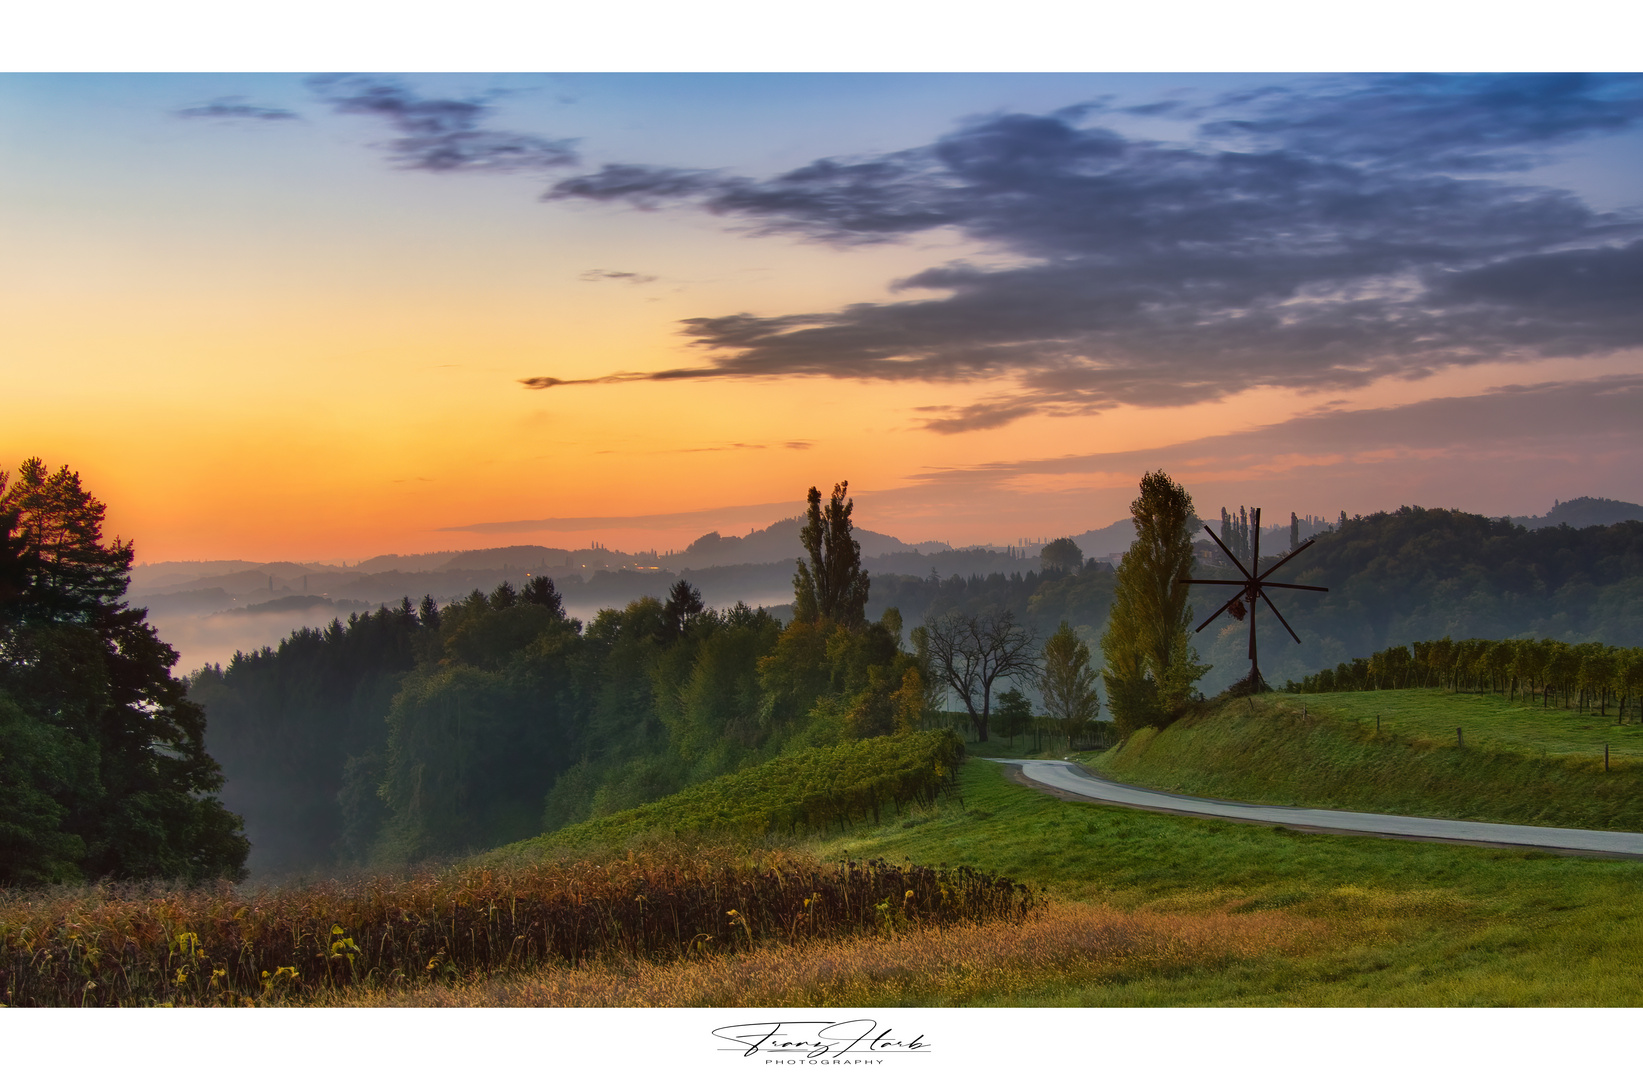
[[1581, 677], [107, 946], [808, 790]]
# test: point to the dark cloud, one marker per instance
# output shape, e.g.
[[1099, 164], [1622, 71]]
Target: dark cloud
[[1584, 417], [1313, 236], [1483, 123], [977, 417], [441, 134], [617, 275], [235, 108]]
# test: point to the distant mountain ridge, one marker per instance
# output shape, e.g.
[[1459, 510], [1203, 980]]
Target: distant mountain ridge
[[779, 542], [1110, 540], [200, 604], [1582, 513]]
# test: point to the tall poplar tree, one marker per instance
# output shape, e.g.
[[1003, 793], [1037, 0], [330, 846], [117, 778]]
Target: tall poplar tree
[[834, 585], [1150, 665]]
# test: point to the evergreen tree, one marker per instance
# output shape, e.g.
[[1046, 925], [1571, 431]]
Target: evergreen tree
[[428, 613], [542, 592], [103, 755], [684, 605]]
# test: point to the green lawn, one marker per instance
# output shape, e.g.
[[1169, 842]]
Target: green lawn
[[1401, 923], [1265, 750], [1485, 720]]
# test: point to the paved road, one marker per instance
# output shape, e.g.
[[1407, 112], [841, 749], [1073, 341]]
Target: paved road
[[1066, 776]]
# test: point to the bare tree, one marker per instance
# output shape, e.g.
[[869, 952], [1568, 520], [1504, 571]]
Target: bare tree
[[971, 652]]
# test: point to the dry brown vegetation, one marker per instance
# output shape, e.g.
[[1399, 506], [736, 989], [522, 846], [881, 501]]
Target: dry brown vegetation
[[930, 965], [108, 946]]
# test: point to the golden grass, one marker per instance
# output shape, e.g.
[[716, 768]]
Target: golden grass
[[130, 946], [1060, 944]]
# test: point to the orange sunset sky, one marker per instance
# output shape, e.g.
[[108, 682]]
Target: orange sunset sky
[[295, 317]]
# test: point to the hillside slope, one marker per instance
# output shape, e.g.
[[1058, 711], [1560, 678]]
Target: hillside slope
[[1266, 750]]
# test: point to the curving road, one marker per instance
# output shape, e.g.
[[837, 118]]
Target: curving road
[[1065, 776]]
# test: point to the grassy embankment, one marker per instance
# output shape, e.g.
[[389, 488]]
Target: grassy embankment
[[1148, 909], [1519, 764]]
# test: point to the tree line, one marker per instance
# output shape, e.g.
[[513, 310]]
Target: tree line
[[422, 730]]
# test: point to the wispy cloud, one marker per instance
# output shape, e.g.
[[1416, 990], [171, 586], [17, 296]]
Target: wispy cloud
[[234, 108], [625, 276], [441, 134], [794, 445], [1314, 235]]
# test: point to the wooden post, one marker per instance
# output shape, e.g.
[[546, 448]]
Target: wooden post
[[1460, 740]]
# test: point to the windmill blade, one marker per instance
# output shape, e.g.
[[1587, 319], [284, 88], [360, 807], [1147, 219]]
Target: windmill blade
[[1281, 618], [1287, 585], [1208, 581], [1218, 611], [1230, 555], [1288, 557]]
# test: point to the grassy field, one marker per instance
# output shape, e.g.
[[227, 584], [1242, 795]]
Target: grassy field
[[1152, 910], [1133, 908], [1264, 750], [1383, 922], [1146, 909], [1487, 720], [797, 793]]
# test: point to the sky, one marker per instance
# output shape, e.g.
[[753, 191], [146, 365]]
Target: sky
[[320, 317]]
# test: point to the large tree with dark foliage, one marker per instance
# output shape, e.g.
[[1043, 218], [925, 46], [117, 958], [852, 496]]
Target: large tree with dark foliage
[[834, 585], [1061, 556], [102, 755]]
